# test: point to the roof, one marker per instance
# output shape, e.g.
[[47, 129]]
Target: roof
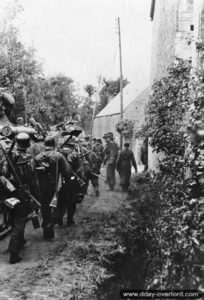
[[130, 93]]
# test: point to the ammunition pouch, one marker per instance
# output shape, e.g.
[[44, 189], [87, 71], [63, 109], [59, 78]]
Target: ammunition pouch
[[78, 198], [11, 202], [6, 185]]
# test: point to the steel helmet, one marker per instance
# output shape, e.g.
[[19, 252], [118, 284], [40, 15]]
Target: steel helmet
[[23, 141], [49, 141]]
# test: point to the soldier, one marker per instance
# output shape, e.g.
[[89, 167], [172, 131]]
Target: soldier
[[51, 164], [99, 150], [88, 141], [144, 154], [93, 171], [25, 168], [73, 192], [20, 121], [111, 155], [125, 159]]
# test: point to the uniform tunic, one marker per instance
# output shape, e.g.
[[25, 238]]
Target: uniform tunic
[[125, 159], [48, 183], [111, 152], [25, 166]]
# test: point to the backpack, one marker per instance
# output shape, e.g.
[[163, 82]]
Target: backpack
[[25, 167]]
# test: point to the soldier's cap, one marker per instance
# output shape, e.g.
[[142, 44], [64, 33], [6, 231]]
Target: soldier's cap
[[87, 138], [49, 141], [110, 134], [126, 144], [19, 119], [23, 140], [105, 136]]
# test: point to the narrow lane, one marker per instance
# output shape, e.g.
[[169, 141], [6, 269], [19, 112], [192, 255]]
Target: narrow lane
[[58, 269]]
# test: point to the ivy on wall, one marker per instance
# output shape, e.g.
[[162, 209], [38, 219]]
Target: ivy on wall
[[125, 127], [175, 236]]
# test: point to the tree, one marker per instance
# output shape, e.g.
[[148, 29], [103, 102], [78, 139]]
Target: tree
[[86, 109], [90, 89], [60, 98], [109, 90], [18, 66]]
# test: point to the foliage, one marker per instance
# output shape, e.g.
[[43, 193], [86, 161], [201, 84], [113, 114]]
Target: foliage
[[125, 127], [18, 66], [90, 89], [22, 74], [174, 237], [59, 97], [109, 90], [86, 114], [167, 109]]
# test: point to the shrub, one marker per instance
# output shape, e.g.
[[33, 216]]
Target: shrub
[[172, 206]]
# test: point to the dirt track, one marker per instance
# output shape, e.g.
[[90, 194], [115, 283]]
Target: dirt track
[[68, 267]]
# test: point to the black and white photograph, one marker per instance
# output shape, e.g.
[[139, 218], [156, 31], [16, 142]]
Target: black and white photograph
[[101, 149]]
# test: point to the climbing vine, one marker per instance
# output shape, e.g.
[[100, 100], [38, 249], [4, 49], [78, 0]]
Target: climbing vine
[[125, 127], [174, 239]]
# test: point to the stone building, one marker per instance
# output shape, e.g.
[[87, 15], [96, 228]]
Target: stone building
[[133, 109], [177, 26]]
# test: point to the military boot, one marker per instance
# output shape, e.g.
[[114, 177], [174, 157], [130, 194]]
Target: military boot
[[48, 233], [97, 193], [14, 257], [70, 222]]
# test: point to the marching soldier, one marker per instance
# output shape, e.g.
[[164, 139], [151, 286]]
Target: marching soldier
[[99, 150], [25, 169], [111, 155], [125, 159], [52, 164], [71, 193], [93, 171]]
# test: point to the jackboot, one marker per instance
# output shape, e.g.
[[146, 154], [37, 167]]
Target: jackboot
[[48, 233], [70, 222], [97, 193], [14, 257]]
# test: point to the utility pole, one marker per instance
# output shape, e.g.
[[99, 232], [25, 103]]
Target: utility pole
[[96, 101], [121, 80]]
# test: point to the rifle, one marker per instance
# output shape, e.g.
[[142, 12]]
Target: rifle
[[20, 186], [84, 154], [81, 181], [69, 137], [99, 176]]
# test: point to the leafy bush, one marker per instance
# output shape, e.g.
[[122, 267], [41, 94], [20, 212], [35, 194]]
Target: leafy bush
[[173, 224], [125, 127]]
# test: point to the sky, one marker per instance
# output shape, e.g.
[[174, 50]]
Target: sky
[[79, 38]]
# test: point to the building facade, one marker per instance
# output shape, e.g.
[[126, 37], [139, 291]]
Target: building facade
[[134, 109], [177, 26]]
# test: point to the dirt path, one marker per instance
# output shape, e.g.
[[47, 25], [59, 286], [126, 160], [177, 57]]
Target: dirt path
[[68, 267]]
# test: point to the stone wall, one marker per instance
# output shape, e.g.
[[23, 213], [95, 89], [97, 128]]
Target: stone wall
[[135, 111], [172, 32]]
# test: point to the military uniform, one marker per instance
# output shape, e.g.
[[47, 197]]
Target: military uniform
[[99, 150], [125, 159], [111, 155], [52, 163], [92, 171], [71, 193], [25, 167]]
